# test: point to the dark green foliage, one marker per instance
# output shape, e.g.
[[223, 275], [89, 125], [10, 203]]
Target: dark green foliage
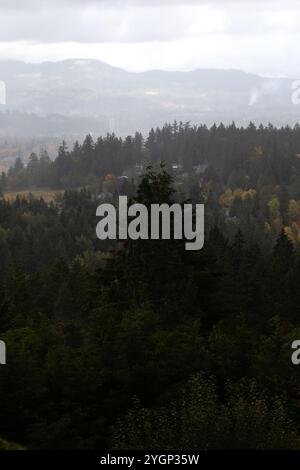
[[237, 157], [90, 325], [245, 418]]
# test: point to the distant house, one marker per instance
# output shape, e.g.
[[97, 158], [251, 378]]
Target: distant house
[[105, 197], [177, 167], [200, 169]]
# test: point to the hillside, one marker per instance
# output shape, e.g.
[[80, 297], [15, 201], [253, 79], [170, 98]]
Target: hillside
[[80, 96]]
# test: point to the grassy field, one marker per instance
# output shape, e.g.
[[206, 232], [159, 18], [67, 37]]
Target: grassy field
[[47, 194]]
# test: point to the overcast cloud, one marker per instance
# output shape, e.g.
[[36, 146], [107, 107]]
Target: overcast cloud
[[261, 36]]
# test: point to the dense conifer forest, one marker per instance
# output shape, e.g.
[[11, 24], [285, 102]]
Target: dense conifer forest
[[142, 344]]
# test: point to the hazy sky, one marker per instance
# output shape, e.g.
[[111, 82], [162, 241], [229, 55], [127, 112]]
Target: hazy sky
[[261, 36]]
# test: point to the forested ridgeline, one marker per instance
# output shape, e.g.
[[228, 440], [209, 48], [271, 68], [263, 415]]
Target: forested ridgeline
[[144, 344], [237, 157], [248, 178]]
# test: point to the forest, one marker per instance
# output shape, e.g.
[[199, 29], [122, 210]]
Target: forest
[[142, 344]]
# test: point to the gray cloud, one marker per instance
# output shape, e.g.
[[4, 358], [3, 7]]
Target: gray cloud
[[130, 20], [38, 4], [209, 32], [96, 24]]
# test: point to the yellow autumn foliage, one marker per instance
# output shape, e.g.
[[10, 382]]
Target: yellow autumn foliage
[[229, 196]]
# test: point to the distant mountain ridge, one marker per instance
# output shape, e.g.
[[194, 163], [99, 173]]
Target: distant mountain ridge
[[89, 95]]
